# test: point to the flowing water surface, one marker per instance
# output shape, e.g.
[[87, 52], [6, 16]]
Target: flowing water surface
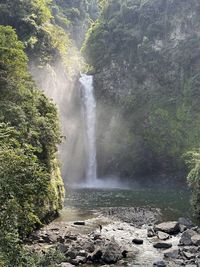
[[83, 203]]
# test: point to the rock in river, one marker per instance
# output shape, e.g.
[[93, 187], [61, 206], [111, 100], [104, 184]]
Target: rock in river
[[168, 227], [79, 223], [162, 245], [137, 241], [112, 253], [162, 235]]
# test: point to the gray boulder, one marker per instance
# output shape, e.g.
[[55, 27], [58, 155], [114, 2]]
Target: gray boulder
[[196, 239], [186, 237], [162, 235], [112, 253], [168, 227]]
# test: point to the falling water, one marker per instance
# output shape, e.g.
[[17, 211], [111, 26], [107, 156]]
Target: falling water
[[90, 117]]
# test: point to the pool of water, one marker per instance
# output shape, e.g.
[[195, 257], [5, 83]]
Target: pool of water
[[84, 203]]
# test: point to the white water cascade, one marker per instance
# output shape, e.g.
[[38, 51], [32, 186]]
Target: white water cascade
[[90, 118]]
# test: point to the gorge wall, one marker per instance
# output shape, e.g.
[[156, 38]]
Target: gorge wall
[[146, 57]]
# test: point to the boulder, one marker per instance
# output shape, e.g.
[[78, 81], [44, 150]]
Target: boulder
[[162, 235], [162, 245], [186, 222], [168, 227], [186, 237], [196, 239], [171, 253], [137, 241], [112, 253]]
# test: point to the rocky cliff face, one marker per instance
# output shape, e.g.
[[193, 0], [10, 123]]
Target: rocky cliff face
[[146, 59]]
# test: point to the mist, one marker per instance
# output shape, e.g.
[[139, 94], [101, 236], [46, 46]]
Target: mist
[[66, 93]]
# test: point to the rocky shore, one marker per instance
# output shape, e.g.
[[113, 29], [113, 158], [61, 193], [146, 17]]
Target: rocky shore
[[112, 239]]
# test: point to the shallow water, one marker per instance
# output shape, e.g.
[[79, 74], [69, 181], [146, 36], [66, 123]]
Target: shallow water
[[81, 204]]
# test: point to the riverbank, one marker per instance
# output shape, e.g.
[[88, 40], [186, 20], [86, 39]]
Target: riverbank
[[108, 240]]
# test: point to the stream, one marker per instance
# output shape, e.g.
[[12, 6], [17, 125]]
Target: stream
[[81, 204]]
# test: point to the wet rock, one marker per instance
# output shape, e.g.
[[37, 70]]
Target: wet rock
[[162, 235], [160, 264], [162, 245], [186, 237], [168, 227], [96, 256], [137, 241], [79, 223], [171, 253], [112, 253], [186, 222], [124, 253], [150, 232], [196, 240]]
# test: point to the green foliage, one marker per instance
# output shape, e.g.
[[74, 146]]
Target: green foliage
[[31, 189], [75, 16], [193, 160]]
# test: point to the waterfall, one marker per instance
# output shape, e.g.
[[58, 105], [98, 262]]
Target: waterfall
[[90, 119]]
